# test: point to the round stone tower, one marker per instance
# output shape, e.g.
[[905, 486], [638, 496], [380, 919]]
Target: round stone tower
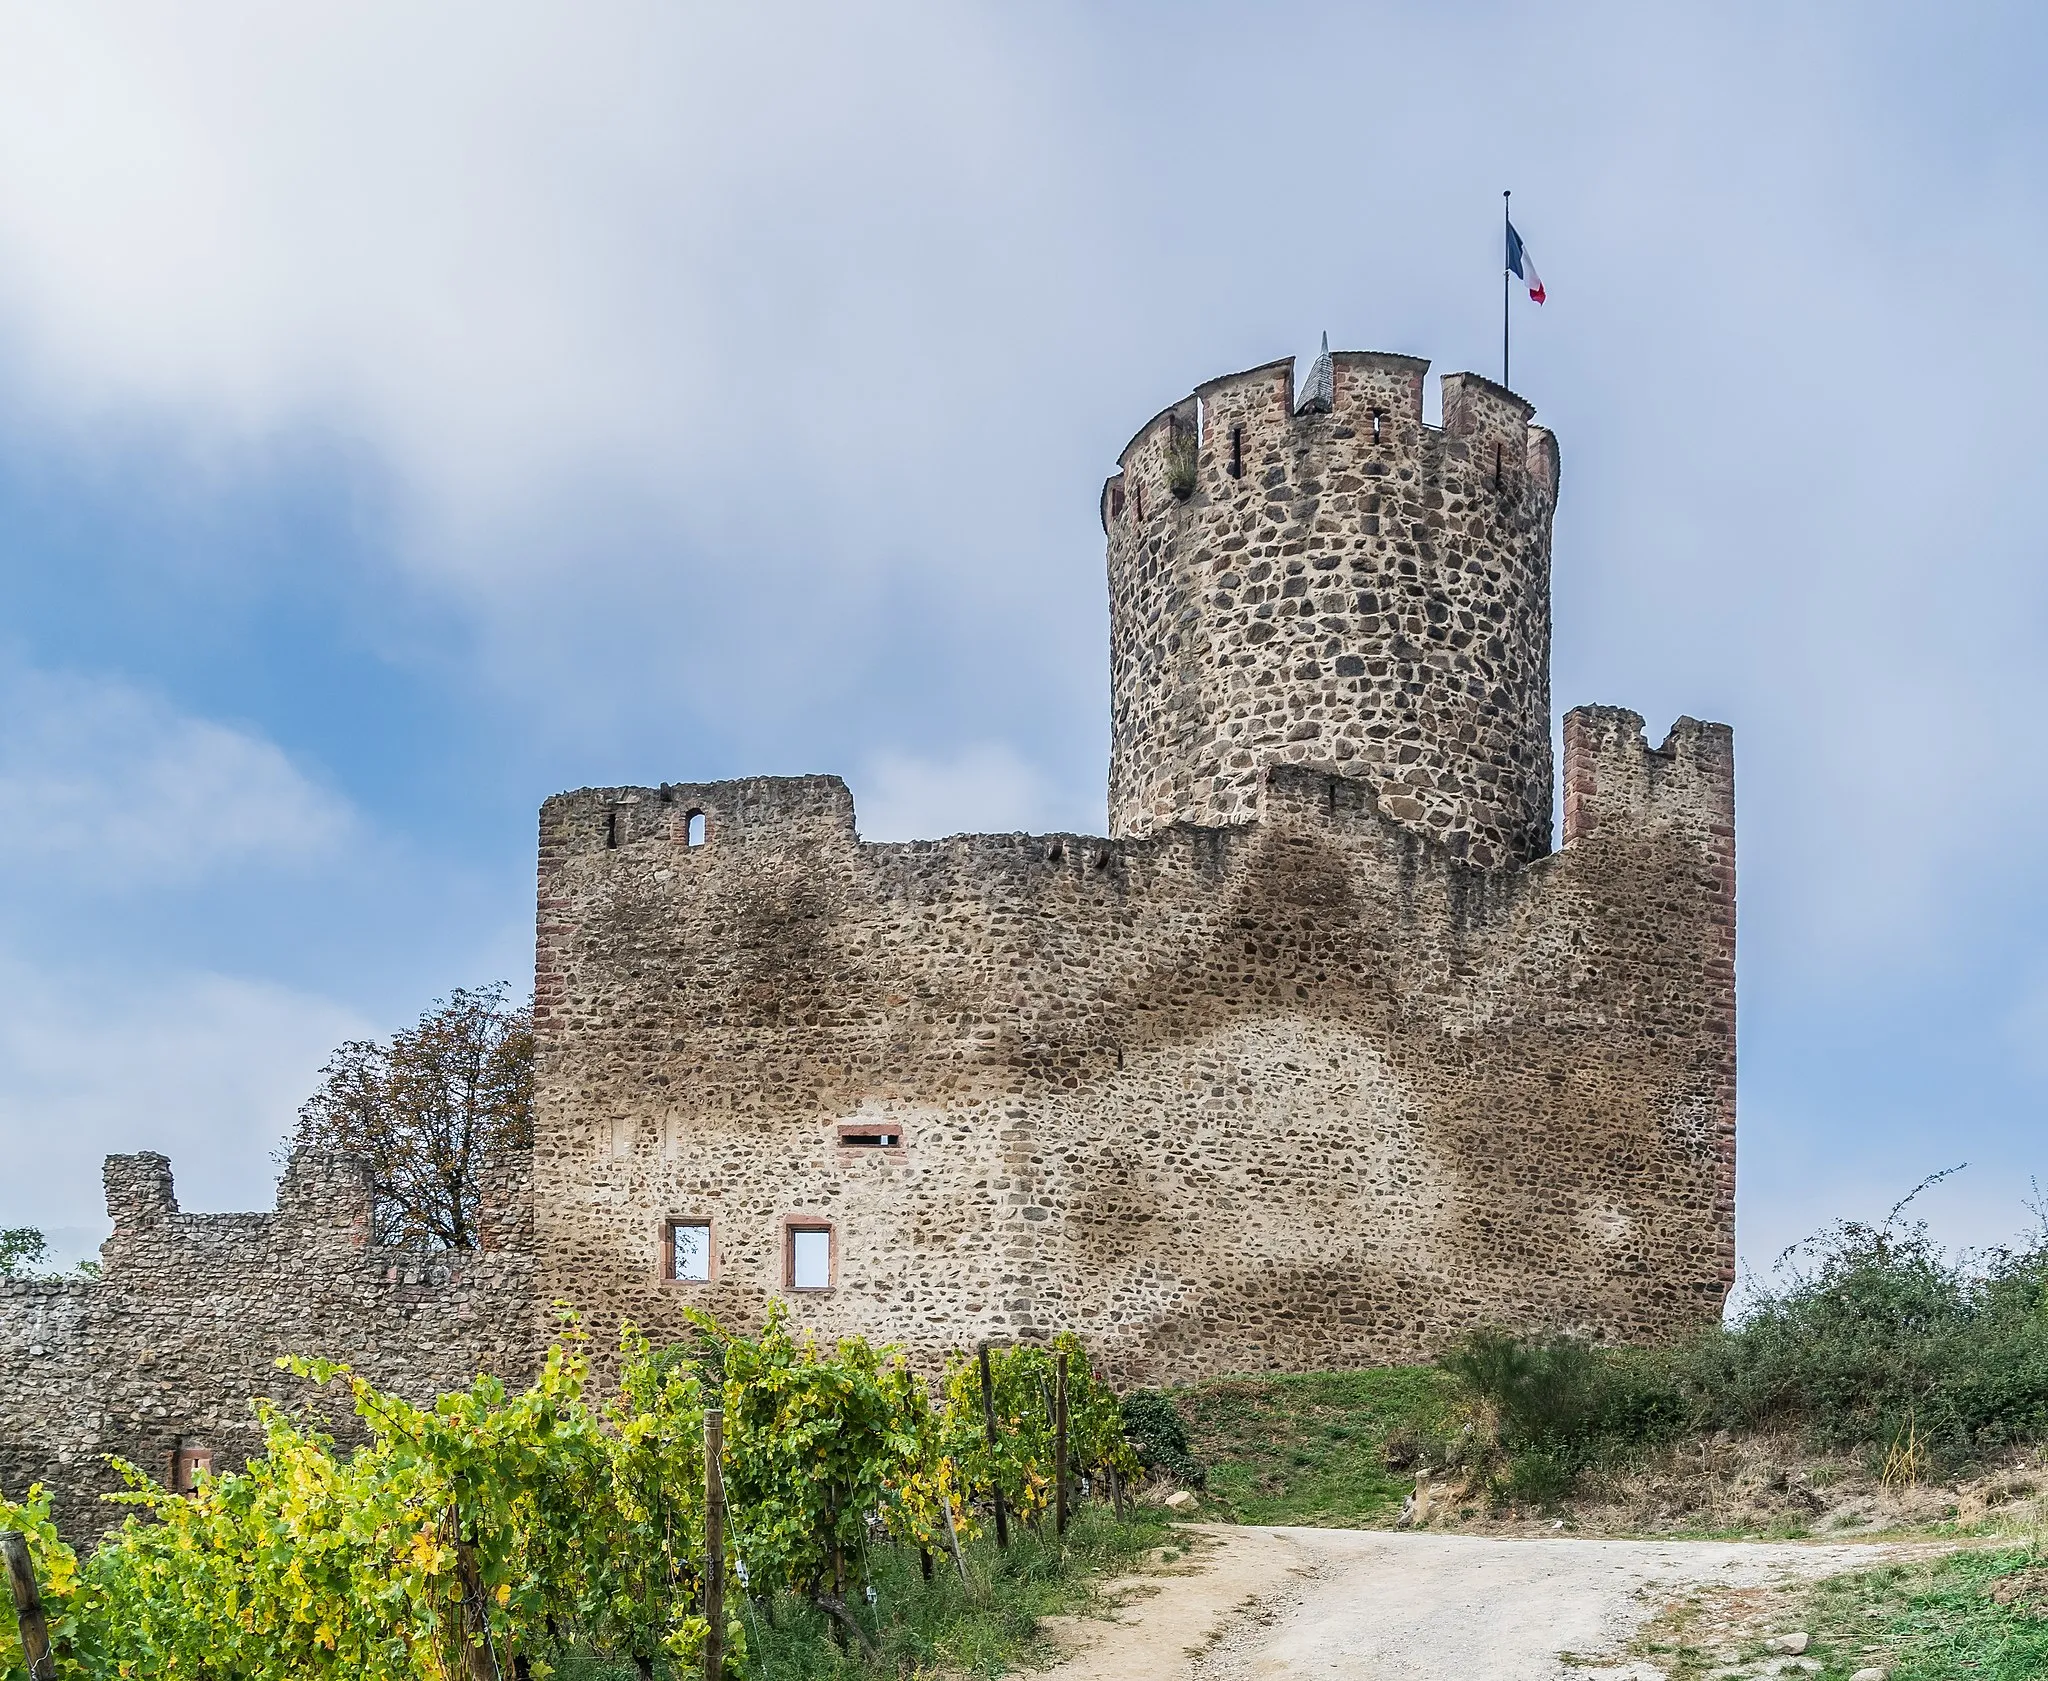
[[1341, 586]]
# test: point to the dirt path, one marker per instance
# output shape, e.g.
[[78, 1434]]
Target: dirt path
[[1295, 1604]]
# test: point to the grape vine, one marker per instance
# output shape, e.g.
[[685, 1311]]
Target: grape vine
[[493, 1531]]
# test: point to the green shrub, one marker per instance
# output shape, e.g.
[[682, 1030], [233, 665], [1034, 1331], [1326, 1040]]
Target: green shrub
[[1542, 1393], [1155, 1429], [1869, 1335], [1874, 1330], [1559, 1404]]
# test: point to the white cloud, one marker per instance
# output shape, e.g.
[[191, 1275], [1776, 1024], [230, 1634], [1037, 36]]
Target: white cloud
[[515, 243], [207, 1068], [986, 789], [109, 788]]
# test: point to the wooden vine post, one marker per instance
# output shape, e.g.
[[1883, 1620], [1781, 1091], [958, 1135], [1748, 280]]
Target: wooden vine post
[[28, 1606], [1059, 1444], [714, 1543], [952, 1536], [478, 1651], [988, 1419]]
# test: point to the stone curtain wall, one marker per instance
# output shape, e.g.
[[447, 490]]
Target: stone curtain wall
[[167, 1349], [1305, 1091], [1351, 589]]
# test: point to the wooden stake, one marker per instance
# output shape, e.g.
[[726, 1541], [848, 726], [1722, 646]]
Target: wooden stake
[[479, 1655], [953, 1537], [1059, 1444], [28, 1606], [714, 1543], [988, 1419]]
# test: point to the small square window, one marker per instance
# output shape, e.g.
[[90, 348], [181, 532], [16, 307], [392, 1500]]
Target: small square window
[[810, 1257], [193, 1463], [687, 1252]]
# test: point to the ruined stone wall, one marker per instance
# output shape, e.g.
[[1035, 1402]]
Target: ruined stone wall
[[167, 1348], [1351, 589], [1304, 1091]]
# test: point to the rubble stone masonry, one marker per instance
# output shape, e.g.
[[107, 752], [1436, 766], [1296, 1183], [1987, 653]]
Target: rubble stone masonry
[[1294, 1093], [1323, 1058], [167, 1349]]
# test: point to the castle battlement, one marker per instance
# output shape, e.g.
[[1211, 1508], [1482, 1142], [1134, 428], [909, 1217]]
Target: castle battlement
[[1242, 417], [775, 810], [1612, 775]]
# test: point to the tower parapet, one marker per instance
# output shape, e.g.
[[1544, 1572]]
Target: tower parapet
[[1350, 589]]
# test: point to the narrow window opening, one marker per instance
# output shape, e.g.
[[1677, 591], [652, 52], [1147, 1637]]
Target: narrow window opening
[[1496, 466], [193, 1462], [694, 829], [1237, 451], [686, 1252], [1116, 501], [611, 828], [1056, 853], [1138, 500], [870, 1140], [810, 1257], [1376, 418]]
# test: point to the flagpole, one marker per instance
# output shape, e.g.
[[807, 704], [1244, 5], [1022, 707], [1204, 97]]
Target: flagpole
[[1504, 292]]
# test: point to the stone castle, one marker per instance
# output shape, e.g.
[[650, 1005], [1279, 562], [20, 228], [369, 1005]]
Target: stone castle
[[1323, 1057]]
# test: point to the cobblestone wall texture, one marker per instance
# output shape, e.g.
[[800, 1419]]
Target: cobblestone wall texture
[[168, 1347], [1322, 1058]]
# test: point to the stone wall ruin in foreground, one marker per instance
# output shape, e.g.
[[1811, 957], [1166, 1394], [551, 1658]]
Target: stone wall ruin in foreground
[[168, 1347]]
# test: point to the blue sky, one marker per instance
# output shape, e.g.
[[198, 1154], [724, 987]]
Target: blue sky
[[408, 412]]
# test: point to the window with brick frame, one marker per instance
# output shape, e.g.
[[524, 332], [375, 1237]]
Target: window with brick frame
[[686, 1250], [192, 1461], [810, 1255]]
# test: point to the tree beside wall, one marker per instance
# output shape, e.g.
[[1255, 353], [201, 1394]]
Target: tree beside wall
[[428, 1111]]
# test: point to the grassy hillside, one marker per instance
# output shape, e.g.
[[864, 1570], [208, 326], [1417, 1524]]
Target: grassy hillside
[[1311, 1447]]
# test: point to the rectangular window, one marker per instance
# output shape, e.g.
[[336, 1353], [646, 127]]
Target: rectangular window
[[870, 1135], [810, 1257], [687, 1252], [192, 1464]]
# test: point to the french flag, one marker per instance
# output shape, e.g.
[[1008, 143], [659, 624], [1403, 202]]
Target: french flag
[[1521, 267]]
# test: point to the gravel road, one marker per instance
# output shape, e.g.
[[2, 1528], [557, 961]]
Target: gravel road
[[1295, 1604]]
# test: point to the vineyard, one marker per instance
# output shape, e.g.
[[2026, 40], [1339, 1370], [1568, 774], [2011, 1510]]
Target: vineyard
[[498, 1534]]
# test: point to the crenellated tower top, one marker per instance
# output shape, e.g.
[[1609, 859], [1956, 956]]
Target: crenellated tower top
[[1342, 587]]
